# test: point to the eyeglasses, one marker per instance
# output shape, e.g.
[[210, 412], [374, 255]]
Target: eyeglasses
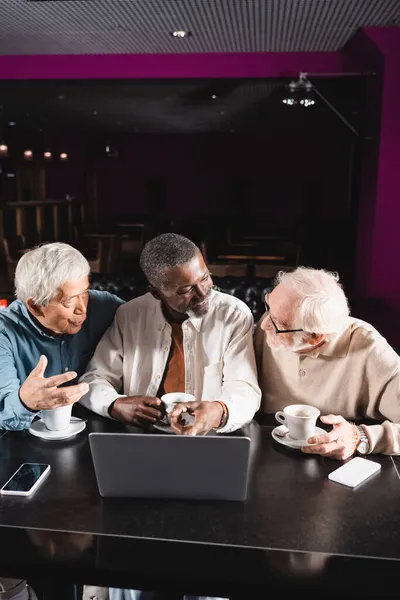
[[278, 331]]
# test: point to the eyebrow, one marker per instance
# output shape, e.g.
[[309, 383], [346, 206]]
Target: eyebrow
[[75, 296], [189, 285], [284, 323]]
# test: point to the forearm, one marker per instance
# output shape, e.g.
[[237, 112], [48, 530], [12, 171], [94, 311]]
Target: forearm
[[384, 438], [242, 401], [13, 414], [100, 396]]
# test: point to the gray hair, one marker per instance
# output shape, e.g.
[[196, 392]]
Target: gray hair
[[321, 305], [164, 252], [43, 270]]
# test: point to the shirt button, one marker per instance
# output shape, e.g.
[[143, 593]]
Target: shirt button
[[66, 369], [302, 373], [158, 377], [166, 348]]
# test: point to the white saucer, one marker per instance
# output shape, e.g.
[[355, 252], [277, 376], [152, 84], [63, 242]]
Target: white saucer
[[163, 428], [39, 429], [286, 440]]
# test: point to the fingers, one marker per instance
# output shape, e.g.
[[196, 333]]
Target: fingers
[[141, 418], [326, 438], [40, 368], [184, 407], [333, 419], [323, 449], [149, 401], [150, 413], [199, 427], [200, 424], [177, 411], [57, 380], [68, 395], [180, 428]]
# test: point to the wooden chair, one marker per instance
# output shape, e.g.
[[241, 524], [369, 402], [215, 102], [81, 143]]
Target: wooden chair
[[14, 247]]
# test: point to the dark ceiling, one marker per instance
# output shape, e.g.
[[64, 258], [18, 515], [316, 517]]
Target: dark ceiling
[[171, 106], [145, 26]]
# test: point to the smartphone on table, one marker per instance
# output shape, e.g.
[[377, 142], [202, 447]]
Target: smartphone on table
[[26, 479]]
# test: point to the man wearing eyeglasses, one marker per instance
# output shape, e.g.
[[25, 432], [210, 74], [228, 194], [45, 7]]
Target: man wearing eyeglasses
[[310, 351], [183, 336]]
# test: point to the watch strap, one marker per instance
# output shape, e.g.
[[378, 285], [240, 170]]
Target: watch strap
[[363, 445], [225, 414]]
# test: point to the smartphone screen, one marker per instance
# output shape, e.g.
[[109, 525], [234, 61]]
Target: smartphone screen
[[26, 477]]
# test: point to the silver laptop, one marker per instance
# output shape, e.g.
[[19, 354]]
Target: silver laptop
[[130, 465]]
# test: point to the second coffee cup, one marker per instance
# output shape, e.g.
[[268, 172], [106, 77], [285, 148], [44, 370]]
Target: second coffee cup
[[300, 420]]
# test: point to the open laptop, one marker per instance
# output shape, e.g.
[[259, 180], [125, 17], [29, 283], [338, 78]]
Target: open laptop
[[130, 465]]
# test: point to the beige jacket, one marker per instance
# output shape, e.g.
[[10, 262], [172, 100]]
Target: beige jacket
[[218, 348], [357, 375]]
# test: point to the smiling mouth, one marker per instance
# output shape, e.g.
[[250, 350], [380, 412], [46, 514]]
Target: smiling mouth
[[76, 323], [200, 304]]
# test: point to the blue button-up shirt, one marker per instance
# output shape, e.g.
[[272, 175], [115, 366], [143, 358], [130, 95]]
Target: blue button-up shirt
[[22, 342]]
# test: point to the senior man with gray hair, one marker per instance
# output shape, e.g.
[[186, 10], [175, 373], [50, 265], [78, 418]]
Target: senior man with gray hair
[[310, 351], [48, 335], [182, 336]]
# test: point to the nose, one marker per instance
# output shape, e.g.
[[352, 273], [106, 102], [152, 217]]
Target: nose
[[203, 288], [266, 325], [81, 306]]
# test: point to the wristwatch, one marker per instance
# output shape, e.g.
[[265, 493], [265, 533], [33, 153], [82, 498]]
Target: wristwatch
[[225, 415], [363, 444]]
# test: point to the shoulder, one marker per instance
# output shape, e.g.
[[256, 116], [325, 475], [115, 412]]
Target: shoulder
[[364, 337], [100, 300], [12, 316], [140, 304], [230, 306]]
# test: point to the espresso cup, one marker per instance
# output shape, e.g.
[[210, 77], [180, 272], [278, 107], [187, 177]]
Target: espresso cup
[[300, 420], [171, 400], [57, 419]]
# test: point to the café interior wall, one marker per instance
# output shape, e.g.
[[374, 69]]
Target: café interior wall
[[216, 174]]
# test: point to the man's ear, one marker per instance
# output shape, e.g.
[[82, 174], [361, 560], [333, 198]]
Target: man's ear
[[34, 309], [154, 292], [316, 338]]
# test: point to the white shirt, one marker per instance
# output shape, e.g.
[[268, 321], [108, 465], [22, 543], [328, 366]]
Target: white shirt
[[218, 349]]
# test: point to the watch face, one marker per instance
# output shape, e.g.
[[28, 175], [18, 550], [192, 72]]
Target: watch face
[[362, 448]]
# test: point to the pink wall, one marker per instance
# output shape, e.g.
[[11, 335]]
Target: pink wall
[[361, 54], [385, 273], [200, 172], [138, 66]]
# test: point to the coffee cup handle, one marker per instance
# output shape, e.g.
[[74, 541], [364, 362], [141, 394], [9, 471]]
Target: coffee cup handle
[[280, 416]]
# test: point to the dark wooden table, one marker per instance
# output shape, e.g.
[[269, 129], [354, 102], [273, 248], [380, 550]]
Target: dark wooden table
[[298, 531]]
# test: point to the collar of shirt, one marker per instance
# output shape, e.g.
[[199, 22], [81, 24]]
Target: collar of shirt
[[338, 347]]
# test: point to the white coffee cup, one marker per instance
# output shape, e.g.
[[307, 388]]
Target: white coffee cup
[[300, 420], [57, 419], [173, 398]]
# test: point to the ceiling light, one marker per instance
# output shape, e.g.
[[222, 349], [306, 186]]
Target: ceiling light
[[3, 149], [47, 155], [28, 155], [63, 156], [12, 123], [307, 102], [181, 33], [291, 98], [300, 92], [214, 97]]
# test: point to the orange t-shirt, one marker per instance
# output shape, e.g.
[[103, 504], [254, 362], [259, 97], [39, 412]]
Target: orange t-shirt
[[174, 374]]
